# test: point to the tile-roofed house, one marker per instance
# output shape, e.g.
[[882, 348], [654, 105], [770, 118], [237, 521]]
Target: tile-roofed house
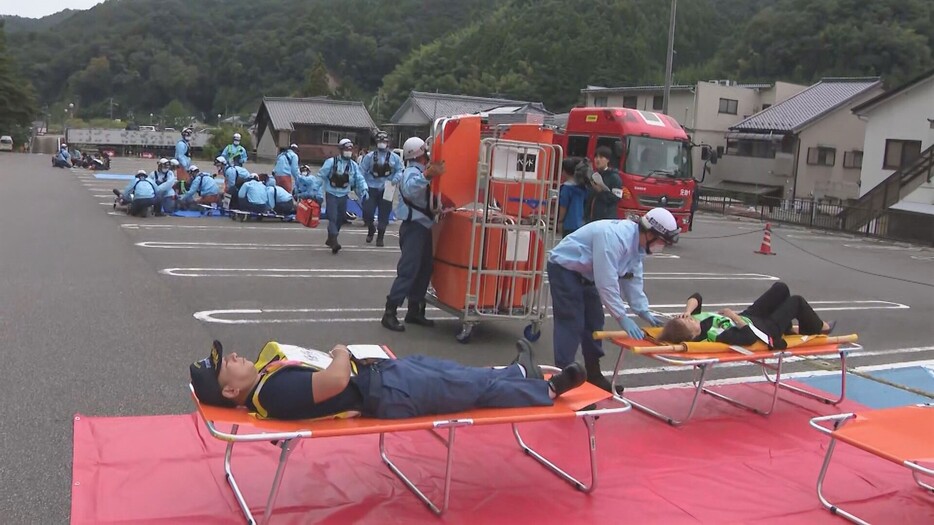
[[315, 124], [807, 146], [420, 109]]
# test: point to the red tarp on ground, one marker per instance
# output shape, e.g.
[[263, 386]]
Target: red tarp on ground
[[726, 466]]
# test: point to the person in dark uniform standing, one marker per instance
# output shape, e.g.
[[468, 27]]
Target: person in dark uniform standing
[[605, 188], [413, 272]]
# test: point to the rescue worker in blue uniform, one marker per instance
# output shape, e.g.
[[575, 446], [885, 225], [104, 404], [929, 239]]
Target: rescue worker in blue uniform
[[202, 188], [589, 269], [379, 167], [340, 175], [164, 179], [252, 195], [183, 149], [140, 195], [401, 388], [279, 200], [308, 185], [287, 163], [413, 272], [62, 159], [234, 153], [234, 178]]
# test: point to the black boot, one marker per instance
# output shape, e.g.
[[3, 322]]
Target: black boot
[[330, 241], [117, 192], [335, 246], [526, 358], [594, 374], [379, 238], [390, 320], [370, 230], [570, 378], [416, 315]]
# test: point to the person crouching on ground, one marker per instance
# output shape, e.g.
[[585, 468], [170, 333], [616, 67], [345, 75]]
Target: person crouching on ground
[[766, 320], [387, 389]]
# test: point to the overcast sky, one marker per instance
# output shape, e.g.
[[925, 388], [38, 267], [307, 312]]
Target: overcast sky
[[40, 8]]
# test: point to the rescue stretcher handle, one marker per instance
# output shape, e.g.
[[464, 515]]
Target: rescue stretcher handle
[[664, 349]]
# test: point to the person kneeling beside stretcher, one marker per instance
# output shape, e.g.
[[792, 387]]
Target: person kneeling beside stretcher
[[766, 320], [385, 389]]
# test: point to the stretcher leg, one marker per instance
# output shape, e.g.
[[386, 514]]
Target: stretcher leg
[[809, 394], [917, 471], [449, 445], [579, 485], [838, 420], [775, 385], [699, 387], [286, 446]]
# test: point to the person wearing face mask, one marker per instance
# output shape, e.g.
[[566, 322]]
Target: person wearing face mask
[[234, 152], [183, 149], [234, 178], [308, 185], [287, 164], [164, 179], [202, 189], [339, 175], [379, 167], [596, 267], [605, 188]]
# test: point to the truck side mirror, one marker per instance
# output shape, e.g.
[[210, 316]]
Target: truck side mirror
[[714, 156]]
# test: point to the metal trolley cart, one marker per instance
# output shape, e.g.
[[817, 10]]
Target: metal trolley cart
[[490, 256]]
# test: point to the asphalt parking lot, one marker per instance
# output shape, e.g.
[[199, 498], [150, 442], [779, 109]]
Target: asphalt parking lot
[[102, 313]]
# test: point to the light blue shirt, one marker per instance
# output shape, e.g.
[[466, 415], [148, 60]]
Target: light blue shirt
[[275, 195], [382, 157], [309, 187], [414, 187], [64, 155], [182, 152], [232, 174], [357, 182], [140, 189], [235, 154], [164, 183], [287, 164], [203, 185], [604, 251], [254, 192]]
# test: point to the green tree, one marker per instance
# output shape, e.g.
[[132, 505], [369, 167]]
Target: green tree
[[316, 82], [176, 114], [17, 102]]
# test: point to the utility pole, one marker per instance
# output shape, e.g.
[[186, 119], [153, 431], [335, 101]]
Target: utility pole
[[671, 52]]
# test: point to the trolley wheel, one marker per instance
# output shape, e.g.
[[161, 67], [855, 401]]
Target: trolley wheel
[[532, 332], [243, 217], [464, 336]]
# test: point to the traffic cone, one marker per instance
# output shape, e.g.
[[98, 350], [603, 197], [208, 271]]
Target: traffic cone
[[766, 247]]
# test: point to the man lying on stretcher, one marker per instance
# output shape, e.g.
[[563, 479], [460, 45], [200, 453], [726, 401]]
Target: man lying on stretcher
[[766, 320], [386, 389]]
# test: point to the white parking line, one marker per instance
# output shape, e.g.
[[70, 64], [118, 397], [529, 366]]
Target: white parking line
[[285, 227], [363, 272], [250, 246], [354, 315], [102, 195], [883, 247]]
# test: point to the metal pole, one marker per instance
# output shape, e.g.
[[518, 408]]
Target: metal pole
[[671, 49]]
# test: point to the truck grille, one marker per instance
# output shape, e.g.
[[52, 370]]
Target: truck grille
[[652, 202]]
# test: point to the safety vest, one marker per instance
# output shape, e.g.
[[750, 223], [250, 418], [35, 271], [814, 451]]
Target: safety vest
[[274, 358], [381, 170], [337, 179], [133, 191], [722, 322]]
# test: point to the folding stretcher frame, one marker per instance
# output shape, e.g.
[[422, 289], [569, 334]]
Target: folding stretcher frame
[[702, 363], [285, 433], [903, 435]]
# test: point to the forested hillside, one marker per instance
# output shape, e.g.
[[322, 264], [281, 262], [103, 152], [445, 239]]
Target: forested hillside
[[220, 56], [17, 24]]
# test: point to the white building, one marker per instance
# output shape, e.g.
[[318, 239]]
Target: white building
[[899, 140]]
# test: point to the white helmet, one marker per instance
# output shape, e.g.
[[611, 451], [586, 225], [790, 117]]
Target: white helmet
[[64, 145], [163, 161], [413, 148], [193, 169], [236, 136], [345, 144], [294, 147], [174, 163], [663, 223], [221, 160]]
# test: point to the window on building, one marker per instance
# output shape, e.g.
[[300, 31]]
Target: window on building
[[631, 102], [577, 146], [600, 102], [822, 156], [853, 159], [766, 106], [764, 149], [729, 106], [330, 137], [720, 151], [900, 153], [658, 102]]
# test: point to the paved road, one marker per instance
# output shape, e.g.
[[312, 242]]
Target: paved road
[[101, 313]]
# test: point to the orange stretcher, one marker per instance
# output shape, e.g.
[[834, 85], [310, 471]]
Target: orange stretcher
[[574, 404], [701, 357], [903, 435]]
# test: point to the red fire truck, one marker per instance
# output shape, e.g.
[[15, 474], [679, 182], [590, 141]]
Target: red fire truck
[[651, 151]]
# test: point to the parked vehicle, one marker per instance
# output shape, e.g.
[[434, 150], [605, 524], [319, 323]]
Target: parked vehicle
[[147, 128], [6, 143]]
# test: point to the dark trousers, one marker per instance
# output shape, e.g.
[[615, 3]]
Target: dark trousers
[[776, 308], [578, 312], [421, 386], [336, 212], [59, 163], [374, 203], [138, 206], [413, 272], [234, 201], [285, 208], [246, 205]]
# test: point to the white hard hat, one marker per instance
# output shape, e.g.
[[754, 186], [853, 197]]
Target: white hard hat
[[193, 169], [236, 136], [662, 222], [294, 146], [142, 173], [64, 145], [254, 175], [220, 160], [174, 162], [345, 144], [163, 160], [413, 148]]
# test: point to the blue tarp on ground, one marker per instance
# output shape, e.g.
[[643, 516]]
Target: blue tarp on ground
[[113, 176], [879, 395]]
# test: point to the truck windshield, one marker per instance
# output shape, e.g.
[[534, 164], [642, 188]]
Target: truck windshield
[[658, 157]]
